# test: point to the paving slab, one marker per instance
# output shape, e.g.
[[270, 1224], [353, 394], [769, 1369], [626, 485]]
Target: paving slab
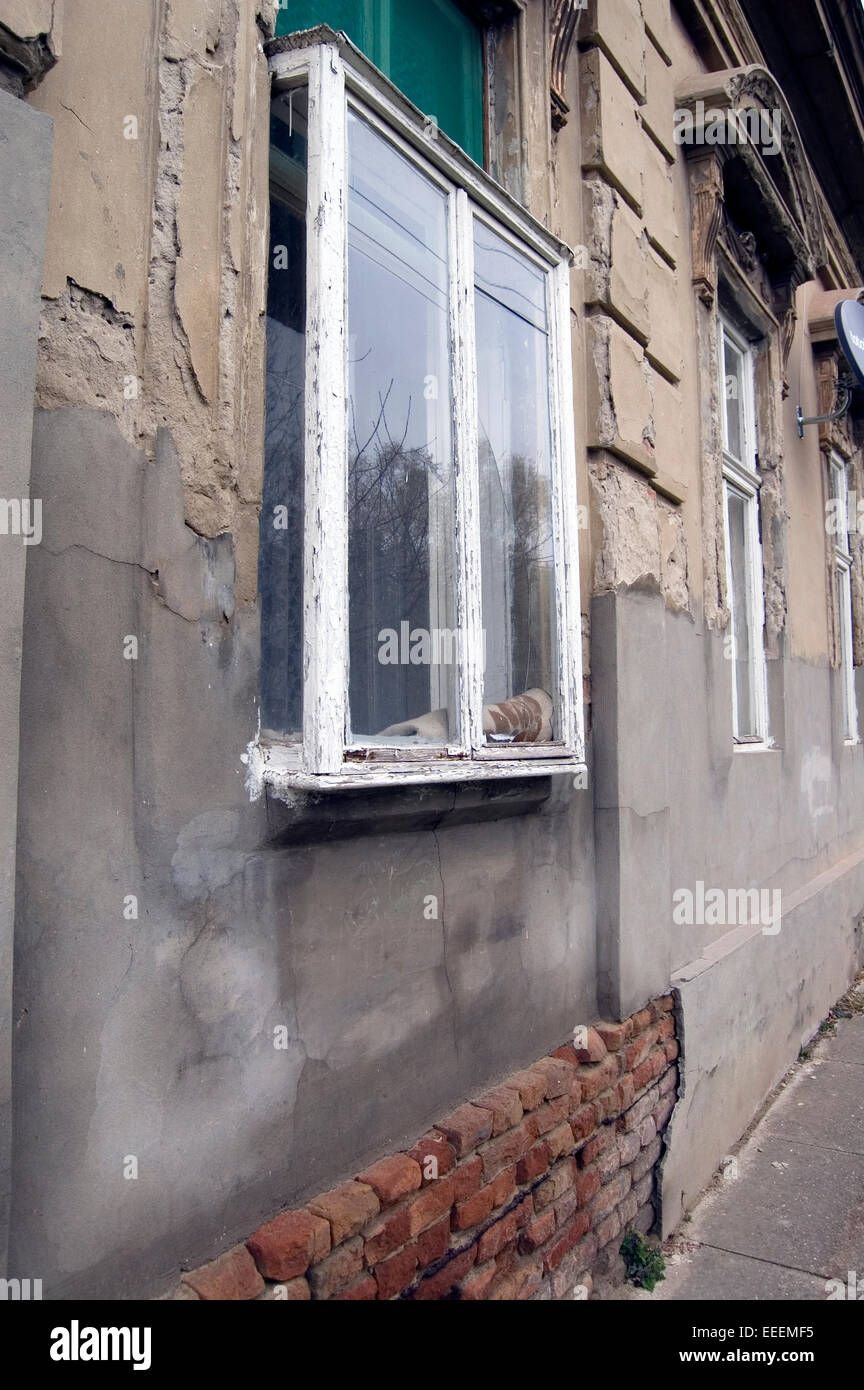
[[847, 1044], [791, 1205], [705, 1275], [824, 1106]]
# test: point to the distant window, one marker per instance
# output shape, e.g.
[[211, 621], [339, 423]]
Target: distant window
[[431, 49], [745, 594], [843, 571]]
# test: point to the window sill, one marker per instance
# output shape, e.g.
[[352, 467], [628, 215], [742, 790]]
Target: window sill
[[277, 769], [761, 747]]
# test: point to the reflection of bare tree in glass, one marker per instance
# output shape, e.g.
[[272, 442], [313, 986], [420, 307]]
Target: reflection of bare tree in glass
[[389, 495], [281, 550], [531, 571], [526, 549], [388, 491], [284, 427]]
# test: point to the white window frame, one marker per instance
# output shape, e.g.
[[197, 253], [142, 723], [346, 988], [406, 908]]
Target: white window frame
[[741, 477], [843, 571], [337, 76]]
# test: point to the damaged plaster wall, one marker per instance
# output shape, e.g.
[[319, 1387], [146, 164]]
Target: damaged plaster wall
[[675, 803], [169, 931], [159, 217], [153, 1036]]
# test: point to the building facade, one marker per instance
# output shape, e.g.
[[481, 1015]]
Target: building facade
[[429, 632]]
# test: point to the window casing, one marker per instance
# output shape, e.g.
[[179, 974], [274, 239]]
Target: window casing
[[435, 458], [843, 572], [745, 593]]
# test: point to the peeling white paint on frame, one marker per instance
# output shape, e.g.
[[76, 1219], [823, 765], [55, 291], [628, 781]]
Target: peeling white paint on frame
[[337, 75]]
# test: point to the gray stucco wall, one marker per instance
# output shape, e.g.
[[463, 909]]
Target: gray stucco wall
[[155, 1037], [25, 175], [680, 806]]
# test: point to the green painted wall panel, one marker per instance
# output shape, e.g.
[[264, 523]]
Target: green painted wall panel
[[430, 49]]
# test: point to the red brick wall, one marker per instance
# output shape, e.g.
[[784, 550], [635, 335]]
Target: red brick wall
[[524, 1192]]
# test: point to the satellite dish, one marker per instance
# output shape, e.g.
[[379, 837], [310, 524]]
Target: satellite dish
[[849, 322]]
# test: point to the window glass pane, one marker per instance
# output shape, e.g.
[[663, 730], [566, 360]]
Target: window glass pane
[[841, 498], [734, 387], [403, 647], [517, 557], [844, 583], [280, 564], [736, 506]]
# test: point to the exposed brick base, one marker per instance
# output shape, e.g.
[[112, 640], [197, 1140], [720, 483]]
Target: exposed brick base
[[522, 1193]]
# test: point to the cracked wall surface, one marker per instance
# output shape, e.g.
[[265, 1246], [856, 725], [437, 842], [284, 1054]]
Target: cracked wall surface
[[153, 1035], [25, 155]]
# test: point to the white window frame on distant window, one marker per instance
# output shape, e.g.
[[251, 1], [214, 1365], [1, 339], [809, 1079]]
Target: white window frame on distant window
[[843, 572], [741, 480], [338, 79]]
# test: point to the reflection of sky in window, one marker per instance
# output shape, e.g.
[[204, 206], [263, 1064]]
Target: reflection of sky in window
[[398, 289], [733, 388], [502, 273], [390, 201], [511, 346]]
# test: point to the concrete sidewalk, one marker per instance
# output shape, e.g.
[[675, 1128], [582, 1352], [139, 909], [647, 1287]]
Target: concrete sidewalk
[[788, 1212]]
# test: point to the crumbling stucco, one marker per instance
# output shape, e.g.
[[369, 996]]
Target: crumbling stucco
[[204, 350], [637, 535], [87, 356], [155, 286]]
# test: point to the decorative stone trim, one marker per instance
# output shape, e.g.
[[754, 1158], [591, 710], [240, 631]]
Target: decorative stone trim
[[780, 189], [563, 23], [706, 198]]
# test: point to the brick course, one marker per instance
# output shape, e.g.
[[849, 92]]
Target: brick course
[[532, 1186]]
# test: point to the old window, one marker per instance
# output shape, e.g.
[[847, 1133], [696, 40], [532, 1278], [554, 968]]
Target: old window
[[839, 517], [419, 570], [744, 581]]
